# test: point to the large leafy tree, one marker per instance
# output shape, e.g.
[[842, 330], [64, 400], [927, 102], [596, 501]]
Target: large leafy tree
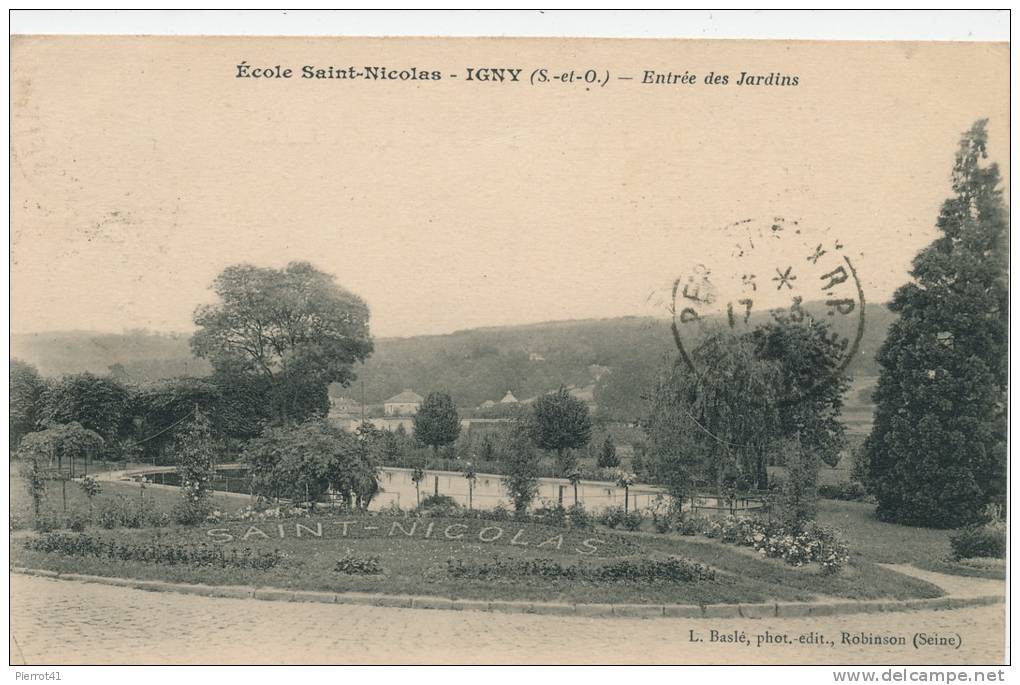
[[714, 423], [25, 405], [295, 328], [723, 420], [437, 422], [560, 422], [302, 462], [98, 403], [234, 405], [937, 453], [812, 386]]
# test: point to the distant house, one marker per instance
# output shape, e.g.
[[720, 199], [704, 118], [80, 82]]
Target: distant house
[[404, 404], [487, 404], [508, 398], [535, 357]]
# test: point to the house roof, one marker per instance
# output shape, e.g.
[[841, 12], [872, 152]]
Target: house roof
[[508, 398], [406, 397]]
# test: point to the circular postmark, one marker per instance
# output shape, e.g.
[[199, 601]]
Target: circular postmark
[[757, 269]]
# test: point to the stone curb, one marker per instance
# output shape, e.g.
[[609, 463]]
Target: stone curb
[[764, 610]]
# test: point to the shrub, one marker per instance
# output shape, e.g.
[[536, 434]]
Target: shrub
[[549, 514], [985, 540], [190, 512], [798, 491], [692, 525], [123, 512], [611, 517], [391, 509], [438, 505], [851, 491], [498, 513], [579, 517], [74, 520], [632, 520], [663, 513], [358, 564]]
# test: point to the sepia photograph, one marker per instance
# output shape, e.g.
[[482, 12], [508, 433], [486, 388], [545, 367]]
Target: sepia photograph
[[450, 350]]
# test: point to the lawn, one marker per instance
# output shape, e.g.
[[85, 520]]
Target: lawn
[[417, 563], [414, 554], [22, 515], [889, 543]]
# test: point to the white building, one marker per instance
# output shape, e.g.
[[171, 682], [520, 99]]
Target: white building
[[404, 404]]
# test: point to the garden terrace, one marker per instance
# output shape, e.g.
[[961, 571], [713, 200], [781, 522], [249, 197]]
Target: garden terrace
[[416, 555]]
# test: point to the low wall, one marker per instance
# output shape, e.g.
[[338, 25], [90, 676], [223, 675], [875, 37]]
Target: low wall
[[489, 492]]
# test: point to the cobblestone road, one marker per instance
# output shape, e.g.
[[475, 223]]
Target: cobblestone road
[[66, 622]]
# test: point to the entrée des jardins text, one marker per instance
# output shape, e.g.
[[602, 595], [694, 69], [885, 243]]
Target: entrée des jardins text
[[589, 76]]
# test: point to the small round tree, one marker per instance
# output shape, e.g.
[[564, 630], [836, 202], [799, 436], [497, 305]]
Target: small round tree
[[575, 479], [417, 476], [437, 423], [561, 422], [520, 464]]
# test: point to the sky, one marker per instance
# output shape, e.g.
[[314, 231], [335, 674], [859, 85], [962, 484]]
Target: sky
[[141, 167]]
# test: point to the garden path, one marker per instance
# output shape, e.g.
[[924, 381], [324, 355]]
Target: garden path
[[67, 622]]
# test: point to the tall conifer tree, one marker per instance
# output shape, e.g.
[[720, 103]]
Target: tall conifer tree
[[937, 453]]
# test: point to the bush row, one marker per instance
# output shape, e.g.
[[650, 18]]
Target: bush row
[[154, 552], [672, 569], [851, 491]]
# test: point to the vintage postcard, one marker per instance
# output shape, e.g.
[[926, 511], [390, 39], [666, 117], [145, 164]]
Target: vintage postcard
[[508, 351]]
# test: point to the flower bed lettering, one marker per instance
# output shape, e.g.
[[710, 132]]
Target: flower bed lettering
[[417, 529]]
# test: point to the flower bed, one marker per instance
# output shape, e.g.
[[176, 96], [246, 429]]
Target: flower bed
[[813, 543], [155, 552], [672, 569], [359, 564]]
